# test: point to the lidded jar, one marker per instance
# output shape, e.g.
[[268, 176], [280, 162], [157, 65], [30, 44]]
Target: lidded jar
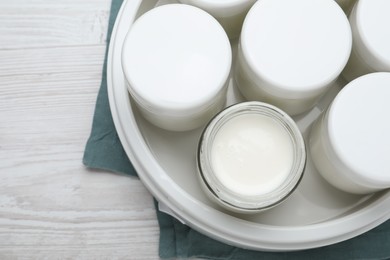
[[176, 60], [291, 52], [230, 13], [370, 22], [350, 142]]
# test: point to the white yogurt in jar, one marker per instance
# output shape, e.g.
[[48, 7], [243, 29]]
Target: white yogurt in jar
[[251, 157], [252, 154]]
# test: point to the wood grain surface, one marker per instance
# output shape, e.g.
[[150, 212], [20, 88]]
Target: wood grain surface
[[51, 206]]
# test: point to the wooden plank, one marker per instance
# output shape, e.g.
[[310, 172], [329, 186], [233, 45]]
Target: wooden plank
[[50, 205], [37, 23]]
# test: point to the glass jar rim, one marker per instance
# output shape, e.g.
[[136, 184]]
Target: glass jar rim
[[246, 203]]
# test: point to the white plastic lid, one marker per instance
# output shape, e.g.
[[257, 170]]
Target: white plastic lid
[[370, 21], [222, 8], [297, 47], [359, 129], [176, 59]]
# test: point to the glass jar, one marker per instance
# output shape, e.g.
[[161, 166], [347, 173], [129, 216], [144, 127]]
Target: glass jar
[[251, 156]]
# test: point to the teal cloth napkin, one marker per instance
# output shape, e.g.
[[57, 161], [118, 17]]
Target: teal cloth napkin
[[104, 151]]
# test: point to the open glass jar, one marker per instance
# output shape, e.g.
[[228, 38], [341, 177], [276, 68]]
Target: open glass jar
[[251, 156]]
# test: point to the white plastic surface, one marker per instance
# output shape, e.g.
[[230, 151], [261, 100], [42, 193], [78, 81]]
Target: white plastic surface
[[346, 5], [315, 215]]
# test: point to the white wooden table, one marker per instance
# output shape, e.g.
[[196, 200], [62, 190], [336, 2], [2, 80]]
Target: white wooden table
[[51, 206]]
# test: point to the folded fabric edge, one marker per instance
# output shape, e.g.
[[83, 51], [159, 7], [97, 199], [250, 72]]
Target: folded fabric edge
[[167, 246]]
